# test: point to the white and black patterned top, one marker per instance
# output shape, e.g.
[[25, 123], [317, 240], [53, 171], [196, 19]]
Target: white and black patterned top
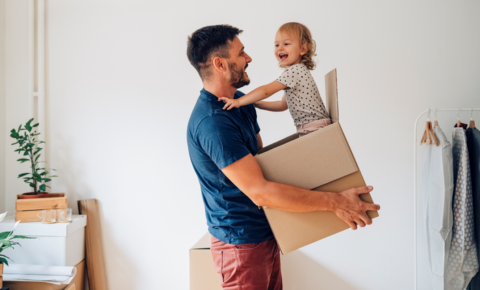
[[303, 99], [462, 263]]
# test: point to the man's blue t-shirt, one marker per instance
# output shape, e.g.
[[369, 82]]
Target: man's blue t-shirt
[[217, 138]]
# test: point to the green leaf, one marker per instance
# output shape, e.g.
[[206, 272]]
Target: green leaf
[[36, 125], [46, 179], [53, 176], [27, 125], [15, 143], [44, 173], [4, 235], [23, 160], [32, 185], [4, 261], [41, 142], [38, 150], [22, 175], [38, 156], [25, 153], [31, 144], [42, 188], [21, 237], [4, 256], [6, 244]]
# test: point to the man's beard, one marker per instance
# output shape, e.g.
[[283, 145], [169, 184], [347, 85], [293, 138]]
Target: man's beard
[[237, 77]]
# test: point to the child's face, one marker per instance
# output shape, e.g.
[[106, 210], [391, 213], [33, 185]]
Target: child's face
[[288, 50]]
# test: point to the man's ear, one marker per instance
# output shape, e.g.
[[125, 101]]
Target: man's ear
[[219, 64]]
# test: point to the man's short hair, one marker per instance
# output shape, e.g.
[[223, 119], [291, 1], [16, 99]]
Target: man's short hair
[[208, 42]]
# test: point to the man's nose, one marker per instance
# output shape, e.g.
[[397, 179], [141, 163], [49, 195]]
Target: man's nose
[[248, 58]]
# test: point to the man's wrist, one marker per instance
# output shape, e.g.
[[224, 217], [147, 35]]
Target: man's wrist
[[332, 201]]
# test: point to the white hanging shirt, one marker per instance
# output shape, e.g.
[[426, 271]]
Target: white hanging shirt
[[437, 194]]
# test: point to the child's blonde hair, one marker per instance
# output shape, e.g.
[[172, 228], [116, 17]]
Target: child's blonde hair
[[305, 38]]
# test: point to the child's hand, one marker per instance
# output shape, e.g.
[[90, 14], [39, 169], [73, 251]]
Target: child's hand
[[230, 103]]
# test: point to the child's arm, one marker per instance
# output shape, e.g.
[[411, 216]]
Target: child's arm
[[256, 95], [278, 106]]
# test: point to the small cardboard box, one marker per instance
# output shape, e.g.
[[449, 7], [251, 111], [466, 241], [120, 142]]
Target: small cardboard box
[[320, 161], [202, 271]]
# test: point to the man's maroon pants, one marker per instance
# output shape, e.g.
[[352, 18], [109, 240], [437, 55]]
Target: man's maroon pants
[[249, 266]]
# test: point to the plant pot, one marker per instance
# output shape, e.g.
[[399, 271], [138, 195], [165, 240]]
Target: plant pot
[[33, 195], [26, 210], [1, 275]]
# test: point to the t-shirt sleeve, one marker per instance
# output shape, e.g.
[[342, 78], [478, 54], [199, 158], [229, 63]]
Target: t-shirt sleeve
[[221, 140], [288, 78]]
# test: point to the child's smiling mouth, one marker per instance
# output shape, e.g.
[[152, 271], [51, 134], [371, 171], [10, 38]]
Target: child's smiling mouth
[[282, 56]]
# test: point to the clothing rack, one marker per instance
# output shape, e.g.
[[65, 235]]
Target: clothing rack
[[428, 111]]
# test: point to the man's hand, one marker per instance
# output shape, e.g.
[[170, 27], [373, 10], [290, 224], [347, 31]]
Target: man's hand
[[230, 103], [348, 206]]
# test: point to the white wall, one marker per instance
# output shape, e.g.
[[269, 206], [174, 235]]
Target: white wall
[[2, 105], [120, 91], [16, 112]]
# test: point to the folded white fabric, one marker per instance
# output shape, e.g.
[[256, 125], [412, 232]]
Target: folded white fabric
[[39, 273]]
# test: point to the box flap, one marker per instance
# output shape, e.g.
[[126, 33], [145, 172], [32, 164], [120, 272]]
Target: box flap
[[38, 229], [203, 243], [311, 161], [331, 91]]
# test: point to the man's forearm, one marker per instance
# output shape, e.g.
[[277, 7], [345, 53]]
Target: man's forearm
[[291, 198]]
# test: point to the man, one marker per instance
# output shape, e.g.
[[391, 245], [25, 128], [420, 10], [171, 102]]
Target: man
[[222, 144]]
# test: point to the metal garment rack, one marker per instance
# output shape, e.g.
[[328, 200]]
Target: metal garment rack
[[428, 111]]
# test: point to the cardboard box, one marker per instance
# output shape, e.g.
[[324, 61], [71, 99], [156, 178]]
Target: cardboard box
[[77, 282], [60, 244], [320, 161], [26, 210], [202, 270]]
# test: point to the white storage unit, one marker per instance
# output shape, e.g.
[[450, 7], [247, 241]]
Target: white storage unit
[[60, 244]]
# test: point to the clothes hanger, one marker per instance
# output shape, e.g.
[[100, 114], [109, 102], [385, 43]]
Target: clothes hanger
[[436, 120], [458, 118], [428, 135], [472, 122], [425, 135], [432, 133]]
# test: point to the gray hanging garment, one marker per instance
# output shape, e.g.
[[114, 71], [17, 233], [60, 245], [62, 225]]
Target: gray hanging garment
[[473, 144], [462, 263], [437, 181]]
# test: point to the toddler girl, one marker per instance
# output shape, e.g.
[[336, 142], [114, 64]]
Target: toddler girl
[[294, 50]]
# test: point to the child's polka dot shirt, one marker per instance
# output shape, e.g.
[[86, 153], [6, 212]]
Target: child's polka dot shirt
[[303, 99]]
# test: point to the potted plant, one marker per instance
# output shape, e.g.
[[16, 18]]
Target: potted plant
[[28, 145], [6, 242]]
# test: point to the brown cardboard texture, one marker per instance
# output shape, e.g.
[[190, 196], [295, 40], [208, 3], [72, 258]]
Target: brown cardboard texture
[[202, 271], [321, 161]]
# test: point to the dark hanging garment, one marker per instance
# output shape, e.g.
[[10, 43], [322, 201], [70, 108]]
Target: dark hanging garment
[[473, 144]]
